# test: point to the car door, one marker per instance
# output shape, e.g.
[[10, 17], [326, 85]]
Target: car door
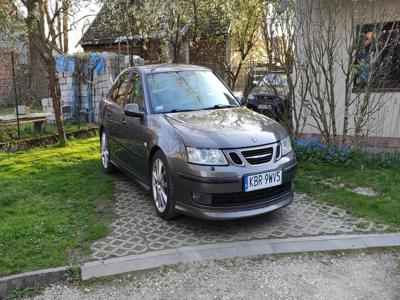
[[133, 140], [114, 114]]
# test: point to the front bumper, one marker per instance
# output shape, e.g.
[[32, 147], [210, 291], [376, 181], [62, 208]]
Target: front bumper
[[228, 180]]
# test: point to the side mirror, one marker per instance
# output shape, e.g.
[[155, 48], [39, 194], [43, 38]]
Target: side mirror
[[132, 110], [239, 97]]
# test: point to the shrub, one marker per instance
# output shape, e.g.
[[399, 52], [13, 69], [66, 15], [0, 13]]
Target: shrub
[[315, 149]]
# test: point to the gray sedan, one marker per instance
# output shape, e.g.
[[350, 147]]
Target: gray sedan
[[182, 134]]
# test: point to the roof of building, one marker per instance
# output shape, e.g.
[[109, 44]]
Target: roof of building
[[104, 30]]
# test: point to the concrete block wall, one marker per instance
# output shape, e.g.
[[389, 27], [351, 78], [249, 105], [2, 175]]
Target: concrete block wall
[[100, 85], [66, 95]]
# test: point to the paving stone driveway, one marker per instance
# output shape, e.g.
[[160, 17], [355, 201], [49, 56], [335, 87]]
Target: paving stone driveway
[[137, 228]]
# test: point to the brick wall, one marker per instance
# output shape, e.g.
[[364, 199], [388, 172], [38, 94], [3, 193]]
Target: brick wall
[[6, 78], [31, 79]]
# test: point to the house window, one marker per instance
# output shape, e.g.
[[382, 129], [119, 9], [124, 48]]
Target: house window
[[377, 67]]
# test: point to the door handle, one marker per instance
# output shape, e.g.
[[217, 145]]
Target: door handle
[[108, 114]]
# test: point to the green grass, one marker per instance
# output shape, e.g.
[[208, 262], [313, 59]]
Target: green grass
[[312, 179], [53, 202], [27, 131]]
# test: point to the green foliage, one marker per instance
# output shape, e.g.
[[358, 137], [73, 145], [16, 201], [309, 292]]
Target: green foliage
[[74, 273], [50, 200], [12, 27], [312, 149], [28, 292]]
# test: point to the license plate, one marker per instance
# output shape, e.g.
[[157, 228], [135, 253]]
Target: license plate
[[264, 106], [262, 180]]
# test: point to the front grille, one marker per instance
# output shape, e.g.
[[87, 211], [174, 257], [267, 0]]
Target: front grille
[[278, 151], [265, 99], [235, 158], [258, 156], [266, 196]]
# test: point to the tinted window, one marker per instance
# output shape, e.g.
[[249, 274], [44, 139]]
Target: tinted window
[[187, 90], [135, 91], [278, 80], [121, 89]]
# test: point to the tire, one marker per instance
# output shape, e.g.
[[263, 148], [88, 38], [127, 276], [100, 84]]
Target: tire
[[162, 187], [108, 167]]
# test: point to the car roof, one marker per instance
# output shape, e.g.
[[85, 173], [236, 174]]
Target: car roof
[[160, 68]]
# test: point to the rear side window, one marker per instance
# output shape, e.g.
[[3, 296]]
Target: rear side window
[[120, 90], [135, 91]]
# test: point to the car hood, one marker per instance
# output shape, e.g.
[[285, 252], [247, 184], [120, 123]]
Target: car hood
[[225, 128]]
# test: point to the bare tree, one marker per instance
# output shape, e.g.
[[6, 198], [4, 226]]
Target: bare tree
[[245, 17], [280, 40], [41, 17]]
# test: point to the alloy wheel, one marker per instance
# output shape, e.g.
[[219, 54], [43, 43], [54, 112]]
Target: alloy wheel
[[105, 154], [160, 185]]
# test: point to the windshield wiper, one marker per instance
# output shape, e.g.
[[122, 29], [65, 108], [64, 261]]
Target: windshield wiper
[[180, 110], [217, 106]]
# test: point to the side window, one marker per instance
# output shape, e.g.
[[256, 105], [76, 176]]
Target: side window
[[120, 90], [114, 92], [135, 91]]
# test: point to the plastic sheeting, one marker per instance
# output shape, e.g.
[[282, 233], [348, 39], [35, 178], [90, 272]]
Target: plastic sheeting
[[96, 65]]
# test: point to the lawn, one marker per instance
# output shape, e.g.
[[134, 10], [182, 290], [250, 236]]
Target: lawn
[[333, 183], [53, 202]]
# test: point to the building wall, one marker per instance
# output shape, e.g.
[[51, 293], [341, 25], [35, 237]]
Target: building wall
[[386, 121]]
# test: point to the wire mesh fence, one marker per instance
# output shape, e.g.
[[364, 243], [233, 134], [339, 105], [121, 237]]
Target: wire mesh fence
[[25, 107], [25, 102]]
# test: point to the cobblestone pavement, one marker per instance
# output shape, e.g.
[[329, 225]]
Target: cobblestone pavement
[[137, 228]]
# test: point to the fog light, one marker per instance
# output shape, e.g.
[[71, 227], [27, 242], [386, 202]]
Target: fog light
[[201, 198]]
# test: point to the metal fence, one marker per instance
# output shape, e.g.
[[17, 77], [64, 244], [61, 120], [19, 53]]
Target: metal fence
[[24, 96], [24, 100]]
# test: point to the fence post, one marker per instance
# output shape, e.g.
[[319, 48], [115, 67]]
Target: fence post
[[15, 93]]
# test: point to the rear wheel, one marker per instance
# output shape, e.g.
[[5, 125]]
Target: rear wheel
[[108, 167], [162, 188]]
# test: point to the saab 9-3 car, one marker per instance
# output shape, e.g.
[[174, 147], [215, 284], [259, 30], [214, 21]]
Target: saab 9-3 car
[[182, 134]]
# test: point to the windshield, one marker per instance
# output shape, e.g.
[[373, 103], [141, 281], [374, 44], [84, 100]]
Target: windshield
[[188, 90], [276, 80]]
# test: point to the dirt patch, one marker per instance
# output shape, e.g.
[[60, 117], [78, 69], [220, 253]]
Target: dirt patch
[[361, 190]]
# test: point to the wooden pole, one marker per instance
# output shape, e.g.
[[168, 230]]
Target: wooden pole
[[15, 93]]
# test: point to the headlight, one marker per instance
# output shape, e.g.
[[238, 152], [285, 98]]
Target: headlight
[[206, 156], [286, 146]]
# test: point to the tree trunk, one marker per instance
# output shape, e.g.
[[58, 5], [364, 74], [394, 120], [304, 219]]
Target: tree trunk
[[346, 108], [236, 75], [65, 26], [59, 28], [45, 49], [54, 92], [177, 43]]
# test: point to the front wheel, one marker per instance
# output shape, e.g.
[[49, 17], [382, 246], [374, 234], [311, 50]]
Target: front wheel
[[162, 189]]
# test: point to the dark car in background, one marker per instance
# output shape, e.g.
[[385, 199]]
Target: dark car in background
[[269, 96], [182, 134]]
